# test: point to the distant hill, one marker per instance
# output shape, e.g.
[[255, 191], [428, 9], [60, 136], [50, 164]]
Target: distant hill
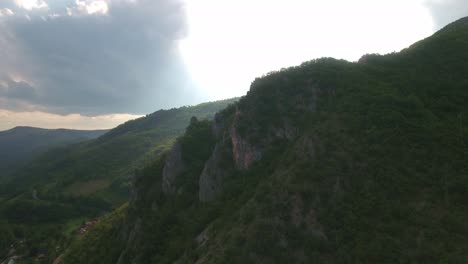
[[103, 167], [48, 198], [21, 144], [327, 162]]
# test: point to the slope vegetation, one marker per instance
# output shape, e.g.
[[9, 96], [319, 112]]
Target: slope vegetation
[[327, 162], [48, 199], [21, 144]]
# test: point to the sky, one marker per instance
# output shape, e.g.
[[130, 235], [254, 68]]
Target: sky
[[90, 64]]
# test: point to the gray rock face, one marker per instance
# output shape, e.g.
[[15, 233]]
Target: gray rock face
[[286, 131], [132, 235], [218, 126], [244, 153], [210, 182], [173, 166], [202, 237]]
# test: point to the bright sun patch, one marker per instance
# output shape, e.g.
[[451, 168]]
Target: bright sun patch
[[31, 4]]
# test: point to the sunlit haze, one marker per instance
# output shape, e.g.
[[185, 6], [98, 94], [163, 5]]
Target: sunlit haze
[[11, 119], [232, 42]]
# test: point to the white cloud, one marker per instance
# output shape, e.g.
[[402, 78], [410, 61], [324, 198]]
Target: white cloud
[[9, 12], [6, 12], [91, 7], [10, 119], [31, 4]]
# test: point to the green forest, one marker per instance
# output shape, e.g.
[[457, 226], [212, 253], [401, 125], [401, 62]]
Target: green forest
[[326, 162], [44, 203]]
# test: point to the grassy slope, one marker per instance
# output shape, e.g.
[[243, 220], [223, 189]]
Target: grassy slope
[[86, 179], [376, 174]]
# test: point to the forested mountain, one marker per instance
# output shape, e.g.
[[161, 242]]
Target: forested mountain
[[21, 144], [48, 199], [326, 162], [96, 166]]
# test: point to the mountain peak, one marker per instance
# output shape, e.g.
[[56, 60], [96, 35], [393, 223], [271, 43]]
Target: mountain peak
[[459, 26], [460, 22]]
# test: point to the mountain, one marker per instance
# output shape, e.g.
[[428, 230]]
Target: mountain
[[44, 202], [97, 166], [21, 144], [326, 162]]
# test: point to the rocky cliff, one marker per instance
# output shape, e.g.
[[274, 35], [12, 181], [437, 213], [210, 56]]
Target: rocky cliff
[[326, 162]]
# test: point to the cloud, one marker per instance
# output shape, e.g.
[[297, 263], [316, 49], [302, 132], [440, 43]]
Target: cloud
[[90, 7], [19, 89], [6, 12], [31, 4], [446, 11], [94, 57]]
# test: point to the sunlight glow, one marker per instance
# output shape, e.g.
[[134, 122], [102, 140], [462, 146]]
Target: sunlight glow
[[31, 4], [10, 119], [232, 42]]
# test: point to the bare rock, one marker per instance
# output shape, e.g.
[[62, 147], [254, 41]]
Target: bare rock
[[210, 182], [218, 125], [173, 166], [244, 153]]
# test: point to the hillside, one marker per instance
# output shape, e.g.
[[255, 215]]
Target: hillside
[[326, 162], [49, 198], [110, 159], [21, 144]]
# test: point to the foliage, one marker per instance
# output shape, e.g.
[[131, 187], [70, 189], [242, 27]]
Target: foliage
[[374, 170], [361, 163], [105, 234], [20, 145], [85, 180]]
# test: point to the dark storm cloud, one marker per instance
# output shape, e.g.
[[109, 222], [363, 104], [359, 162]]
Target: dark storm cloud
[[446, 11], [20, 90], [93, 58]]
